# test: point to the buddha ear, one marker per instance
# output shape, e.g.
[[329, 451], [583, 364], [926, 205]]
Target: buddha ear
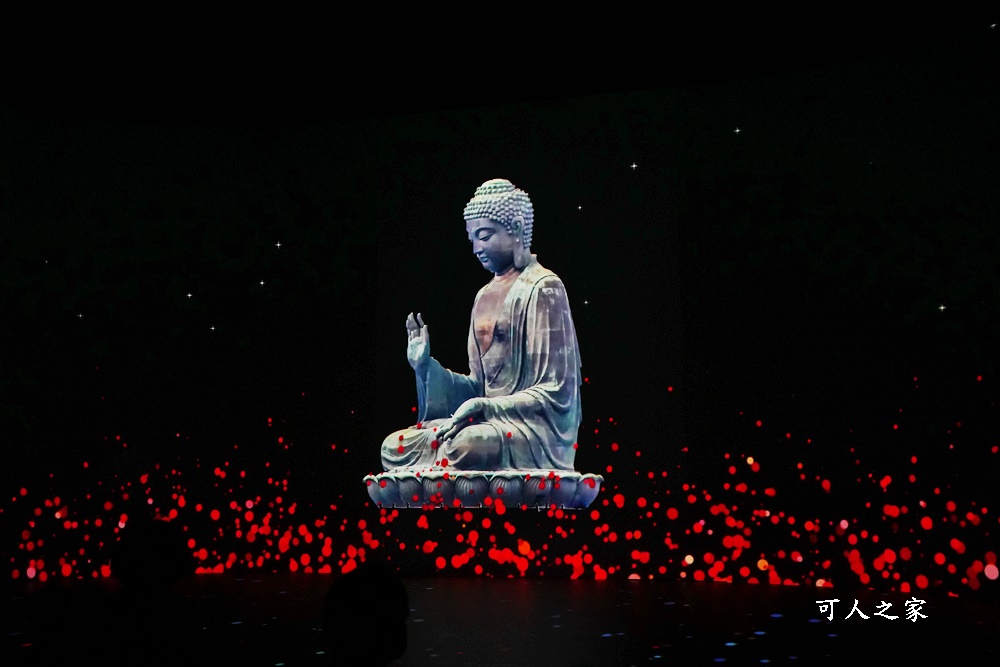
[[517, 227]]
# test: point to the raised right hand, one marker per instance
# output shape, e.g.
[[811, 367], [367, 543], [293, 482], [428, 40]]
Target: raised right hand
[[418, 346]]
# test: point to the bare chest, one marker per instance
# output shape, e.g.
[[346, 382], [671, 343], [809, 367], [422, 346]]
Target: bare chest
[[487, 313]]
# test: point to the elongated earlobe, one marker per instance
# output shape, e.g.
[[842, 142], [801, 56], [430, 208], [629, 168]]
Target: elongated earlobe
[[522, 257]]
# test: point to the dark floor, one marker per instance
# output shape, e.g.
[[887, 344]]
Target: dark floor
[[276, 620]]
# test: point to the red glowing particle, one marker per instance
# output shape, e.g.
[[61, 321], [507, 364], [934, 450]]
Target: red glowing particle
[[891, 510], [957, 545], [434, 444], [921, 581], [672, 513], [926, 523], [444, 463], [619, 500], [509, 434], [886, 481], [215, 515], [440, 562], [759, 423], [429, 546]]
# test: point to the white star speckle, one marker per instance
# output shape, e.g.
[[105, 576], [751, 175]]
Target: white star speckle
[[262, 282], [941, 307], [80, 316], [736, 131], [278, 244], [634, 165], [579, 208], [585, 302], [212, 328], [189, 295]]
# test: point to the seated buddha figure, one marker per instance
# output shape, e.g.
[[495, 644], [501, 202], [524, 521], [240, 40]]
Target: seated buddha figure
[[518, 407]]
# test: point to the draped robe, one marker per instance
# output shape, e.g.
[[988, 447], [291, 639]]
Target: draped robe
[[530, 376]]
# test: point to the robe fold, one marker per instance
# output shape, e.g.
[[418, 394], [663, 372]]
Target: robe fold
[[530, 376]]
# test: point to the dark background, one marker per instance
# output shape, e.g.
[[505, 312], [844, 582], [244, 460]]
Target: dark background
[[791, 272]]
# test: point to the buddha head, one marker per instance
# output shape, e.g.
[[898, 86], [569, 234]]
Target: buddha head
[[499, 220]]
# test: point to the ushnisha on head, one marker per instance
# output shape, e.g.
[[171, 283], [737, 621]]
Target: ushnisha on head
[[498, 202]]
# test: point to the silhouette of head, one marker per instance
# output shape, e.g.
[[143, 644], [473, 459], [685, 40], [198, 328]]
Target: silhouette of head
[[364, 616], [151, 554]]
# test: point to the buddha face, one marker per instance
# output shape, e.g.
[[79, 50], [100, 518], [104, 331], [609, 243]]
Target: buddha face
[[492, 244]]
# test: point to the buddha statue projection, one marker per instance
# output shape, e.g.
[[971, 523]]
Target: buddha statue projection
[[506, 430]]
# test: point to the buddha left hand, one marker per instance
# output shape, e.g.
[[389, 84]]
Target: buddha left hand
[[465, 415]]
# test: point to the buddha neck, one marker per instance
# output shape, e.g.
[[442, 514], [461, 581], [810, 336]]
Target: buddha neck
[[507, 275]]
